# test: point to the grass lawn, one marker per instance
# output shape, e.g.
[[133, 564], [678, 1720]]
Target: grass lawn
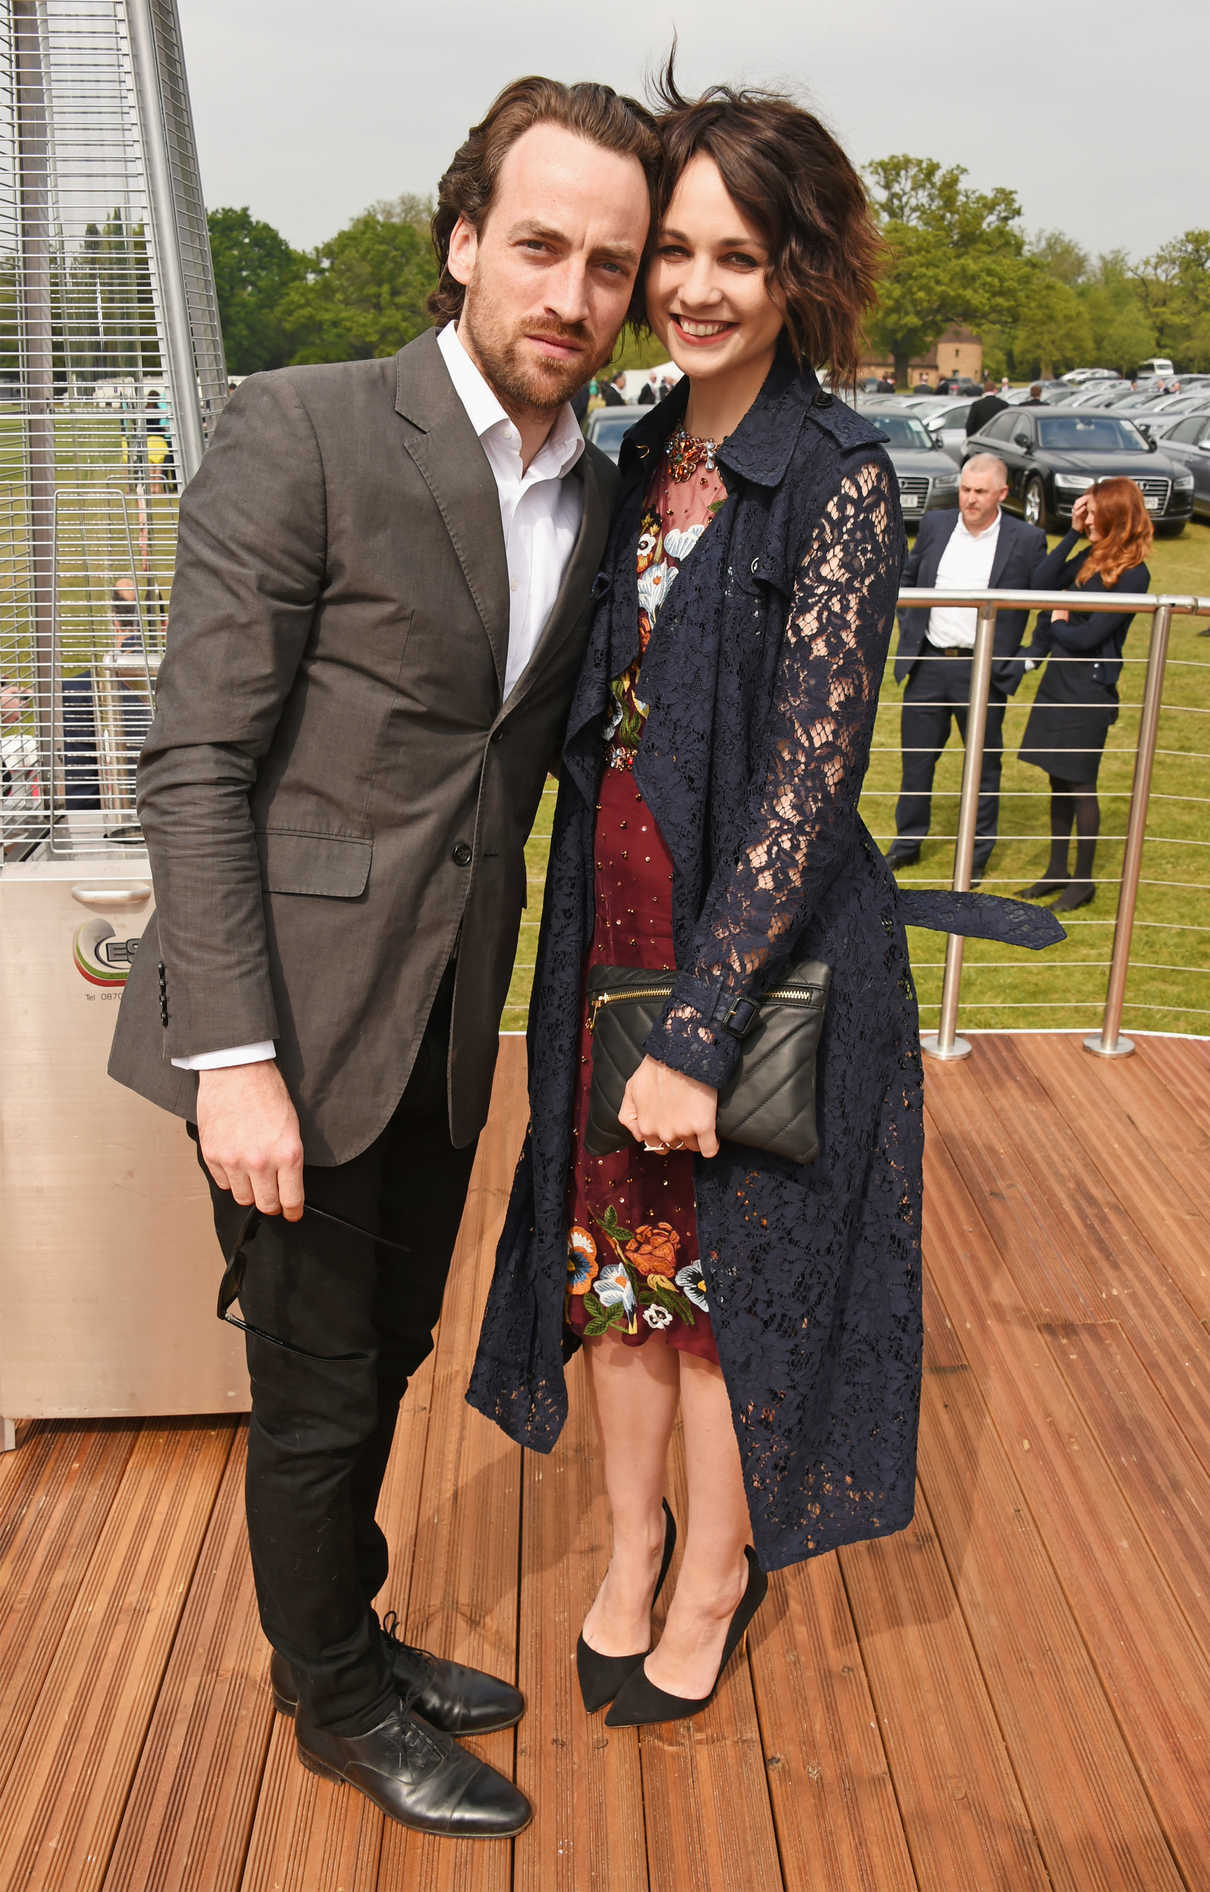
[[1063, 988]]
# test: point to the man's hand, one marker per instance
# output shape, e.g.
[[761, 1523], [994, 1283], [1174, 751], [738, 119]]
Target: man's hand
[[248, 1131], [666, 1110]]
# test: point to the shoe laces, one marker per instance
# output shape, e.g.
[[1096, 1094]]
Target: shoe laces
[[413, 1666]]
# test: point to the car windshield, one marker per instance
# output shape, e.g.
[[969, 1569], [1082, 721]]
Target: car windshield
[[608, 433], [1089, 433], [901, 430]]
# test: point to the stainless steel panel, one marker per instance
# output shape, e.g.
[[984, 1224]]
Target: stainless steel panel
[[108, 1267]]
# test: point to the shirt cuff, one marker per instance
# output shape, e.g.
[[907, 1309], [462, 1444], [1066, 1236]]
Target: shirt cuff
[[219, 1060]]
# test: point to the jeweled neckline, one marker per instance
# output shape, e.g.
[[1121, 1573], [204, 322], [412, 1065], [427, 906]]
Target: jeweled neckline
[[685, 452]]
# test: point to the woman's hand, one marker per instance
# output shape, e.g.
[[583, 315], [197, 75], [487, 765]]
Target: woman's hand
[[666, 1110], [1081, 511]]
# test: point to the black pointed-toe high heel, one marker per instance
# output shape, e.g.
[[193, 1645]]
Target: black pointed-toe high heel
[[601, 1676], [639, 1701]]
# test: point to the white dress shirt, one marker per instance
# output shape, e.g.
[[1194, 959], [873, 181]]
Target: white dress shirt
[[966, 565], [540, 511]]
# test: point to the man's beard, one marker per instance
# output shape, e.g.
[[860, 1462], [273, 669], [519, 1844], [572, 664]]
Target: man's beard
[[539, 385]]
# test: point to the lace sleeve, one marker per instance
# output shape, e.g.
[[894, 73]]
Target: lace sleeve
[[802, 804]]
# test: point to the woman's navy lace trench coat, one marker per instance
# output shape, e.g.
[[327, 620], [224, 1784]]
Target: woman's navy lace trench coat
[[763, 681]]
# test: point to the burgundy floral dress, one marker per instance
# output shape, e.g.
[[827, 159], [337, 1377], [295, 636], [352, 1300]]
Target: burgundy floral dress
[[633, 1266]]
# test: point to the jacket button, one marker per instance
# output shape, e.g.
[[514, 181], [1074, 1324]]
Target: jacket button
[[823, 398], [461, 855], [496, 735]]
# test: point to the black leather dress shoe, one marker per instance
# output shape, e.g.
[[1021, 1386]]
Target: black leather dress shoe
[[418, 1776], [455, 1699], [902, 854]]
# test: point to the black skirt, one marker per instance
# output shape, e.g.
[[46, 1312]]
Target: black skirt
[[1070, 719]]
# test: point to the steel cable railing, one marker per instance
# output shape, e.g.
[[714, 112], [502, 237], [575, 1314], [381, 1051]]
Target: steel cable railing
[[1108, 1041]]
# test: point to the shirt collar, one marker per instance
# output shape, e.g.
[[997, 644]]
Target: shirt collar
[[988, 532], [563, 444]]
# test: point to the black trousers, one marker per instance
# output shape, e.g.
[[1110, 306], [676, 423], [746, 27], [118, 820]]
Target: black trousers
[[937, 694], [321, 1427]]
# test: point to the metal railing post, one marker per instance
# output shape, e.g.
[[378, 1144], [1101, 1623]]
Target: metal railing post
[[944, 1043], [1108, 1042]]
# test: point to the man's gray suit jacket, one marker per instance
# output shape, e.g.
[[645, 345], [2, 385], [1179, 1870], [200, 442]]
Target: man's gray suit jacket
[[334, 795]]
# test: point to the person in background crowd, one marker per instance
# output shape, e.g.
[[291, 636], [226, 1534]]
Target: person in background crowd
[[1077, 700], [978, 549], [611, 390], [886, 384], [81, 735], [981, 411], [1034, 397], [1005, 384], [647, 393]]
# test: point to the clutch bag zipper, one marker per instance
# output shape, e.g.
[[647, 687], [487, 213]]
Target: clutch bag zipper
[[785, 994]]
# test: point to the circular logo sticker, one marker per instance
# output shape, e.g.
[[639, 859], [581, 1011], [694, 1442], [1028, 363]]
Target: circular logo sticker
[[100, 957]]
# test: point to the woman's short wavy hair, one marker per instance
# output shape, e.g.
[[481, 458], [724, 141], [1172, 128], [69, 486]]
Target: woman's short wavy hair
[[594, 112], [790, 178]]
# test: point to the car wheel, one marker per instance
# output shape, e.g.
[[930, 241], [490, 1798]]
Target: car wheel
[[1033, 503]]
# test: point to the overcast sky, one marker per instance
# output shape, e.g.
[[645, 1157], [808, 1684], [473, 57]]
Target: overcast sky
[[1095, 114]]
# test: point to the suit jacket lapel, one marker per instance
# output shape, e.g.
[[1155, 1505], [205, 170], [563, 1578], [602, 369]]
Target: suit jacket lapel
[[1004, 551], [578, 574], [446, 450]]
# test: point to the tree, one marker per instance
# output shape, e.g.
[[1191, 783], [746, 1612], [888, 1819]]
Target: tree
[[1122, 332], [1174, 285], [954, 255], [1053, 331], [365, 291], [254, 267], [1060, 256]]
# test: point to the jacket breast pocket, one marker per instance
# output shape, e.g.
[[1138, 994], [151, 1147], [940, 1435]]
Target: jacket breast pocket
[[296, 861]]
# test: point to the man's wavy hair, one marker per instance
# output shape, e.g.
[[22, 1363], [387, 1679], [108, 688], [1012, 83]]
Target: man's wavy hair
[[790, 178], [594, 112]]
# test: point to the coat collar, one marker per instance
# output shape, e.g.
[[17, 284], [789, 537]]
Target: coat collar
[[450, 458], [762, 446]]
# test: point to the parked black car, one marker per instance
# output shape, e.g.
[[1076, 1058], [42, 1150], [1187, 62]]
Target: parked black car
[[1054, 454], [927, 476], [1188, 440]]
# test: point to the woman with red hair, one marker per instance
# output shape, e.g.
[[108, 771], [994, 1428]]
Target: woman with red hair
[[1077, 698]]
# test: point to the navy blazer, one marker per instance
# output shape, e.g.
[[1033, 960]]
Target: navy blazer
[[1020, 549], [1097, 634]]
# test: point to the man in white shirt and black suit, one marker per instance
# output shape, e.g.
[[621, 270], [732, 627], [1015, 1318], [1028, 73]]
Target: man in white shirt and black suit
[[379, 611], [980, 548]]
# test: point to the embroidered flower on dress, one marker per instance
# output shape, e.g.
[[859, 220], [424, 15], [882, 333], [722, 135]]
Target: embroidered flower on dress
[[613, 1288], [657, 1316], [652, 1248], [581, 1260], [692, 1283]]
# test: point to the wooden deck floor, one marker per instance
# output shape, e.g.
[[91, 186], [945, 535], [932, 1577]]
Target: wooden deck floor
[[1013, 1696]]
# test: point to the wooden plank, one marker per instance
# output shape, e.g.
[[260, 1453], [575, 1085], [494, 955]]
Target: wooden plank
[[1052, 1213], [586, 1781], [962, 1811], [1095, 1824], [56, 1498], [71, 1775], [461, 1587], [1155, 1674], [834, 1807], [188, 1819], [706, 1796], [1160, 1172], [1166, 1485]]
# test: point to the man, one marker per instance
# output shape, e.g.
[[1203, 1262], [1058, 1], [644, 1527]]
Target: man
[[1034, 398], [611, 390], [980, 412], [982, 549], [378, 615]]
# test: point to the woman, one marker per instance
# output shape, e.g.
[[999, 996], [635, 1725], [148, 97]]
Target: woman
[[707, 823], [1077, 697]]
